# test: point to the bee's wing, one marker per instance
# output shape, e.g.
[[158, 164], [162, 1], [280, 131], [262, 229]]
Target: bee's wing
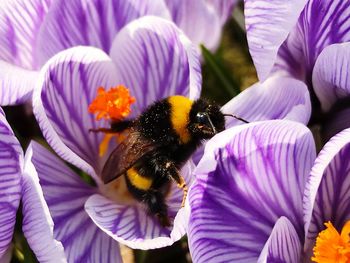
[[127, 153]]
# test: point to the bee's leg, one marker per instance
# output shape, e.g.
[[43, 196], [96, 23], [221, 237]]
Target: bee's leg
[[168, 169], [157, 206], [116, 127]]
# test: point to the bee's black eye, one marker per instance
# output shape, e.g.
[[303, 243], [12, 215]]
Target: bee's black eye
[[202, 118]]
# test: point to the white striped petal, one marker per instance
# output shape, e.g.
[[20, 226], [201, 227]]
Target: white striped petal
[[90, 23], [199, 20], [20, 22], [290, 101], [327, 191], [249, 176], [133, 226], [11, 167], [68, 84], [283, 244], [330, 74], [16, 84], [65, 194], [268, 23], [155, 60], [37, 222]]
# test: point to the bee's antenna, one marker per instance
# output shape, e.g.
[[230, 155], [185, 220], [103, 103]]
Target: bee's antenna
[[238, 118]]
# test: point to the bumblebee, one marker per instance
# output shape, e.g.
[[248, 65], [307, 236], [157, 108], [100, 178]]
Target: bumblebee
[[157, 145]]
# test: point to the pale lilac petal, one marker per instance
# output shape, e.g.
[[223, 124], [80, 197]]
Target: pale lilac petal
[[37, 222], [6, 258], [223, 8], [131, 225], [20, 21], [11, 166], [198, 19], [65, 194], [249, 176], [283, 244], [90, 23], [327, 191], [155, 60], [68, 84], [16, 84], [330, 74], [268, 23], [290, 101], [322, 23]]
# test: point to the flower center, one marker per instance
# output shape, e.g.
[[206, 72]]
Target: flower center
[[331, 246], [113, 105]]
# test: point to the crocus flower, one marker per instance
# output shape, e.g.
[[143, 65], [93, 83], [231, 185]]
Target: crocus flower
[[262, 195], [315, 51], [31, 32], [17, 182], [153, 59]]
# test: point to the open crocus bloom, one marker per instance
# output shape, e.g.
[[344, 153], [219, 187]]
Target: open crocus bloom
[[153, 59], [311, 47], [31, 32], [17, 181], [261, 194]]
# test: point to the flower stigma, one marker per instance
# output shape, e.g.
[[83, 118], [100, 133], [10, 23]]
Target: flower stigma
[[113, 105], [331, 246]]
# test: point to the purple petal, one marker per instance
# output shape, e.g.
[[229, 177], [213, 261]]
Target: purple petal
[[20, 22], [37, 221], [268, 23], [327, 191], [156, 60], [66, 194], [67, 85], [16, 84], [90, 23], [7, 256], [322, 23], [283, 244], [250, 176], [223, 8], [198, 19], [11, 166], [330, 74], [131, 225], [290, 101]]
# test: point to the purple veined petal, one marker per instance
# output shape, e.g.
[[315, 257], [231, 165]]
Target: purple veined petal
[[198, 19], [283, 244], [16, 84], [131, 225], [249, 176], [268, 24], [90, 23], [223, 8], [7, 256], [65, 194], [37, 222], [68, 83], [322, 23], [290, 100], [330, 73], [11, 167], [155, 60], [327, 192], [20, 21]]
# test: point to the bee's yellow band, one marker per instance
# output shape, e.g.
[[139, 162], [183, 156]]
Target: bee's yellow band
[[180, 110], [137, 180]]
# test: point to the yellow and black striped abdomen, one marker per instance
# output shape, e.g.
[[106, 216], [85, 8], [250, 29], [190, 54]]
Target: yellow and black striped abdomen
[[137, 180], [179, 116]]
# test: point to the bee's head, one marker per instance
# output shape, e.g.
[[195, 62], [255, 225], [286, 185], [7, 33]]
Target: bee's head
[[206, 119]]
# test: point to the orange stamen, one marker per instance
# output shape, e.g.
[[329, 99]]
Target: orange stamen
[[113, 104], [331, 246]]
